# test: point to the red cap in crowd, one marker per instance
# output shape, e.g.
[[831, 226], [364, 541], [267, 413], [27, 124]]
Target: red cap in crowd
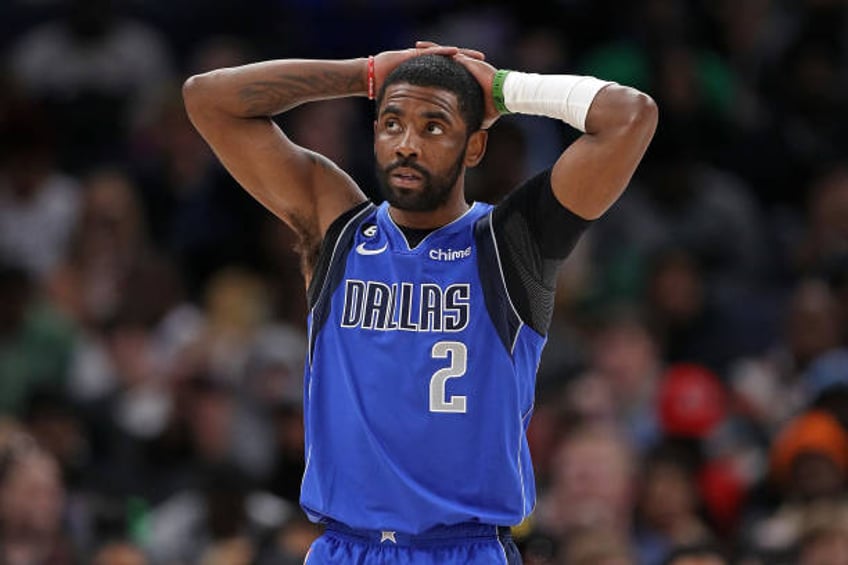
[[692, 401]]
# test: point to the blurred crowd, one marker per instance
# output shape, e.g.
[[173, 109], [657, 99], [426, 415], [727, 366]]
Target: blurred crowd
[[692, 401]]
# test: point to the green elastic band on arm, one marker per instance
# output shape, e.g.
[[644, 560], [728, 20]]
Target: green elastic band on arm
[[497, 92]]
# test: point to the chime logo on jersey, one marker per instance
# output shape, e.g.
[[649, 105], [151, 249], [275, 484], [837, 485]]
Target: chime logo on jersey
[[425, 307], [450, 254]]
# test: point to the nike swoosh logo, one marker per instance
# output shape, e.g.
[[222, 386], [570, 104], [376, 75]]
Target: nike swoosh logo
[[362, 250]]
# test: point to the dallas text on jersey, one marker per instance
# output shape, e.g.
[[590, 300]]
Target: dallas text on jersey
[[375, 305]]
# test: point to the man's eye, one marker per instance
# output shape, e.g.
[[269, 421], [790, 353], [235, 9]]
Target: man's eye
[[392, 125], [435, 128]]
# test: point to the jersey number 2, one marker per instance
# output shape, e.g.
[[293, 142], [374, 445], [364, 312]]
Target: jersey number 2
[[458, 364]]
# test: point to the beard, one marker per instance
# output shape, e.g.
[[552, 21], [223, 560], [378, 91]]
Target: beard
[[433, 193]]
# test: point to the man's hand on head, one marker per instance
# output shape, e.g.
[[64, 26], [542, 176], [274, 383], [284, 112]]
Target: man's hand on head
[[484, 73], [385, 62]]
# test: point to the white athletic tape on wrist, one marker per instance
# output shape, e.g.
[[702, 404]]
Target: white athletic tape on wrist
[[565, 97]]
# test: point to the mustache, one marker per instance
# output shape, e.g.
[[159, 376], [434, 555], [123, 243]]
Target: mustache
[[409, 164]]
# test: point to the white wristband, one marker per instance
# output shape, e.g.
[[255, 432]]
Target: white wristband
[[565, 97]]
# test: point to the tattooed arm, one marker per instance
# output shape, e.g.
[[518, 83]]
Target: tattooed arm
[[232, 110]]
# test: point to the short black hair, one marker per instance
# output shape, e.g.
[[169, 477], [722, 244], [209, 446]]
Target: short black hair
[[443, 72]]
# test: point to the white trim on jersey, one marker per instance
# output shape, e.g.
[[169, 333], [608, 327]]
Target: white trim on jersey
[[500, 543], [503, 280], [511, 351], [368, 208]]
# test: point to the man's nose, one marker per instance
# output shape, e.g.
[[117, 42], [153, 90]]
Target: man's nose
[[408, 145]]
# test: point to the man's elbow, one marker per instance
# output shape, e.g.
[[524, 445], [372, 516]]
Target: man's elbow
[[197, 95], [641, 112]]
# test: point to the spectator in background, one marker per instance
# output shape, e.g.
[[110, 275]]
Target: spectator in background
[[824, 540], [109, 240], [809, 461], [289, 461], [825, 384], [592, 486], [290, 543], [683, 202], [220, 518], [111, 71], [695, 321], [691, 402], [32, 503], [596, 547], [619, 385], [119, 553], [669, 507], [811, 97], [36, 342], [710, 445], [826, 242], [39, 205], [625, 352], [190, 205], [771, 386]]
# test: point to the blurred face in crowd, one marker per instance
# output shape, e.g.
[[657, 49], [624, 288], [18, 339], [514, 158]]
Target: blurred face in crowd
[[32, 497], [626, 355], [595, 546], [828, 548], [813, 321], [667, 496], [828, 212], [211, 421], [676, 290], [816, 476], [120, 554], [592, 481]]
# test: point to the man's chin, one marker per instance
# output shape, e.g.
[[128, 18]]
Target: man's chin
[[411, 202]]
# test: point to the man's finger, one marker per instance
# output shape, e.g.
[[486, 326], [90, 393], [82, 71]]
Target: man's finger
[[473, 53], [437, 50]]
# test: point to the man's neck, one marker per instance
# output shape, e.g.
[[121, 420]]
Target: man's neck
[[431, 219]]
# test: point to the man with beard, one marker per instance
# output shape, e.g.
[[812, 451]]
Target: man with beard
[[427, 313]]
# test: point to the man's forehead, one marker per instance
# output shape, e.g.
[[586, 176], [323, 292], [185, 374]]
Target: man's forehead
[[404, 93]]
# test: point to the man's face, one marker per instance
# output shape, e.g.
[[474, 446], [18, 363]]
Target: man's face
[[419, 142]]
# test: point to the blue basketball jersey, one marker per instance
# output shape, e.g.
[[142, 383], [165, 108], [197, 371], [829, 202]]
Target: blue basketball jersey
[[419, 382]]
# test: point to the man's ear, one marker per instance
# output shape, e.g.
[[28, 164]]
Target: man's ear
[[476, 147]]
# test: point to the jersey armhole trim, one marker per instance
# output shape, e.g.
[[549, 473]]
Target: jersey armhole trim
[[319, 300]]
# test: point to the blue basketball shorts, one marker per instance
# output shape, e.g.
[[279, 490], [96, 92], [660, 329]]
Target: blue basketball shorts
[[462, 544]]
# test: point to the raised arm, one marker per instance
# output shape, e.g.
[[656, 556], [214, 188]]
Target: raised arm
[[232, 109], [618, 122], [593, 172]]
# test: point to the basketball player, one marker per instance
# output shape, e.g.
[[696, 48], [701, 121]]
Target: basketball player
[[427, 313]]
